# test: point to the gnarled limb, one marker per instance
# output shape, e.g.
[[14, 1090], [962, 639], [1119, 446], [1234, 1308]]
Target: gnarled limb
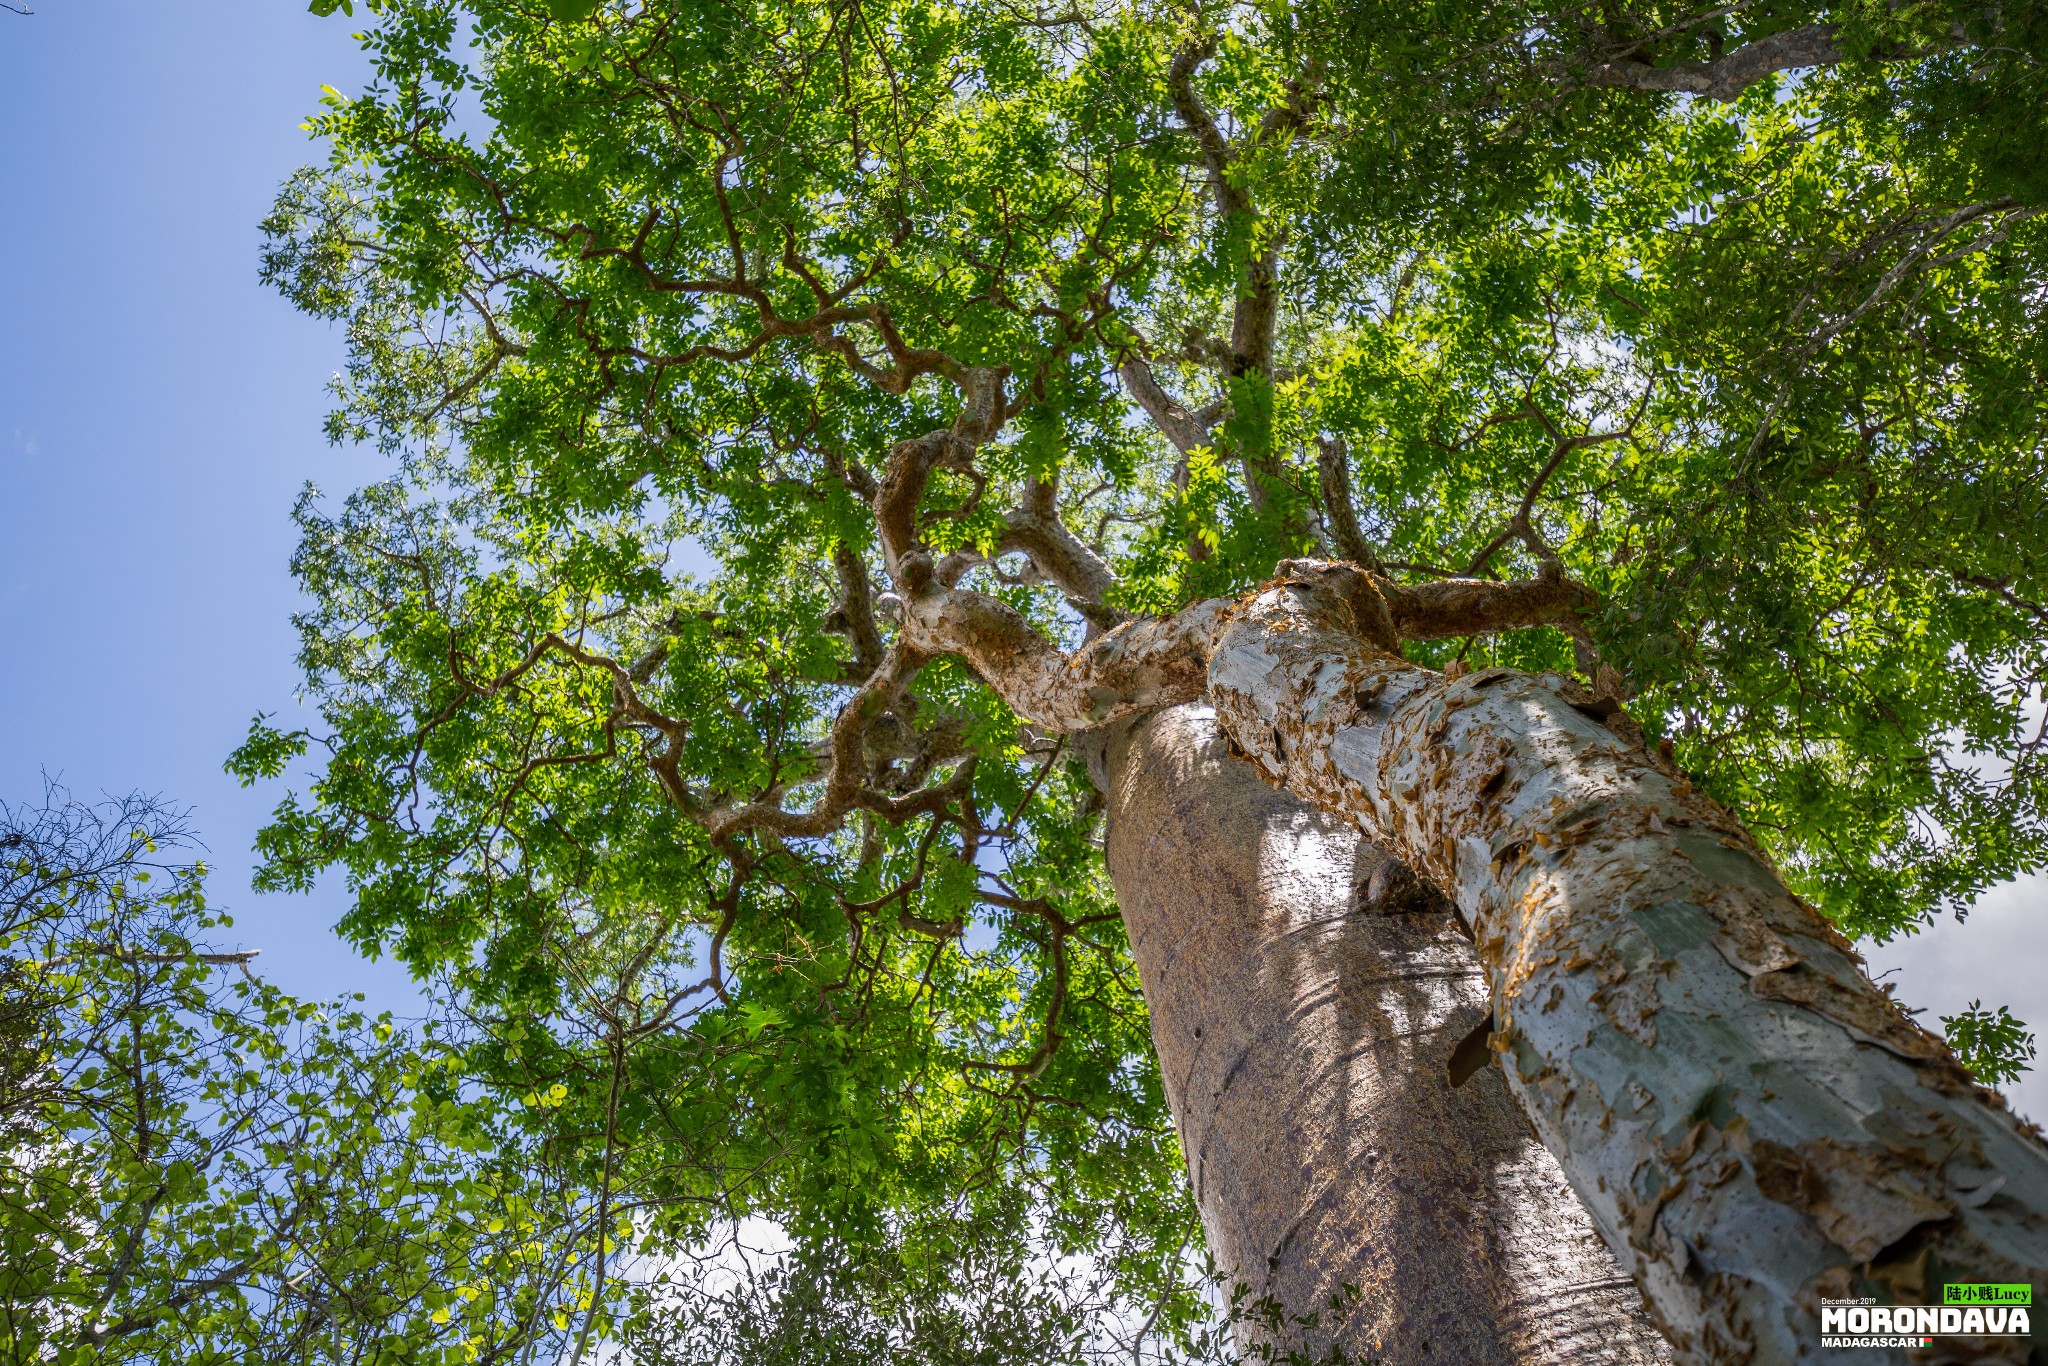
[[1255, 314], [844, 785], [1151, 663], [1731, 73], [1034, 528], [911, 464], [1141, 665], [1258, 297], [854, 614], [1137, 667], [1215, 148], [1477, 607], [1064, 558]]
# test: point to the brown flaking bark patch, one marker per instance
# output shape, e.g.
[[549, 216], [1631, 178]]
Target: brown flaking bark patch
[[1867, 1016], [1860, 1200]]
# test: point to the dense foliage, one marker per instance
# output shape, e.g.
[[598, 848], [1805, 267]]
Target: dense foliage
[[618, 739]]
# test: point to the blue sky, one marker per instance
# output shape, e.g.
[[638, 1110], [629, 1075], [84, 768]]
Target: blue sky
[[159, 411]]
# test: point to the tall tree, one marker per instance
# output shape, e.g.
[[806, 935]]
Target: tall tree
[[1606, 471]]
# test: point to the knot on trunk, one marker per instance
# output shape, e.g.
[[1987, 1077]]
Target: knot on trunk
[[1348, 592]]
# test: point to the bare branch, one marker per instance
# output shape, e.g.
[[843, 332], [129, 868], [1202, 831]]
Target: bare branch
[[122, 953]]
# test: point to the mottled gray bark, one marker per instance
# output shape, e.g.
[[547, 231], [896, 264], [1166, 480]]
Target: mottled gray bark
[[1753, 1125], [1304, 1013]]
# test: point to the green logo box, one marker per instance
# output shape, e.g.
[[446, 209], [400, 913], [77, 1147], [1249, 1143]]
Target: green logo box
[[1988, 1292]]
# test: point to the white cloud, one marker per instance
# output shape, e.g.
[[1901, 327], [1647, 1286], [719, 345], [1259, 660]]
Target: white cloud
[[1999, 955]]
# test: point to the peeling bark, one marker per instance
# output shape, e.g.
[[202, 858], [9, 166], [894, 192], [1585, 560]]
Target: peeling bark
[[1303, 1011], [1143, 665], [1752, 1124]]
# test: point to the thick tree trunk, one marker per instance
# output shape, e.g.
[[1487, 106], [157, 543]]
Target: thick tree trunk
[[1304, 1013], [1753, 1125]]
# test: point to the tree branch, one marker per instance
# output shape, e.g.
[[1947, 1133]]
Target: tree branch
[[1340, 514], [122, 953], [1724, 80], [1258, 298], [911, 464], [1184, 429], [1146, 664], [1519, 525], [1937, 232], [844, 785], [1476, 607], [1136, 667], [854, 614], [1084, 576], [194, 1290], [1180, 86]]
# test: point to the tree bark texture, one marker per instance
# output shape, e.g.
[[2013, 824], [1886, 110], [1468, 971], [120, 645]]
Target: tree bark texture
[[1751, 1122], [1305, 1004]]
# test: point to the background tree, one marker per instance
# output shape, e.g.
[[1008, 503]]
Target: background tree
[[1697, 439], [195, 1167]]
